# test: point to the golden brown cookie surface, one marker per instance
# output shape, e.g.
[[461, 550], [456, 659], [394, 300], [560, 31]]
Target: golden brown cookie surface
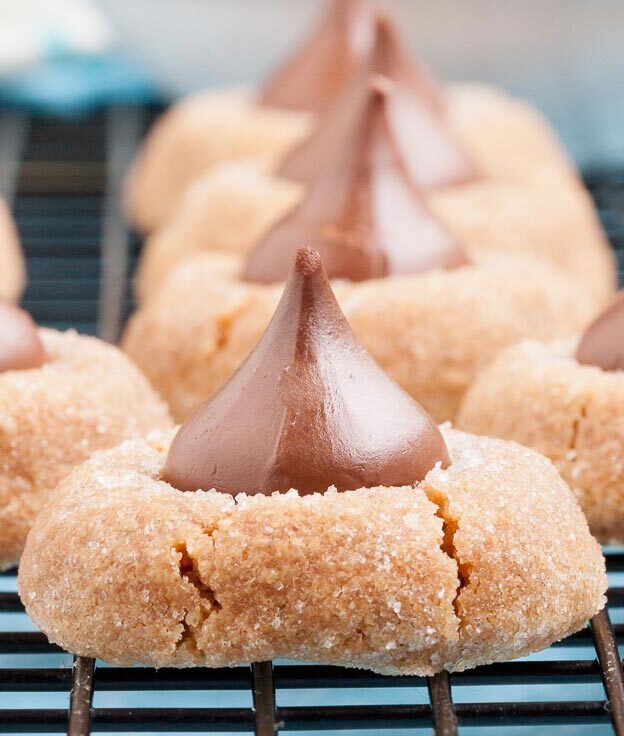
[[203, 130], [368, 578]]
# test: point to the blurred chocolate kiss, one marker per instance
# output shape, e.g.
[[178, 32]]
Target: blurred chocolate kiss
[[361, 210], [602, 344], [416, 117], [20, 345], [317, 72]]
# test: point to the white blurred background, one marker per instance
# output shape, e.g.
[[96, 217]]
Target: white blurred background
[[567, 56]]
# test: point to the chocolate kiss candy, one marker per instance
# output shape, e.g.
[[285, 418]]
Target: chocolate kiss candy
[[419, 131], [603, 342], [361, 212], [315, 74], [20, 346], [308, 409]]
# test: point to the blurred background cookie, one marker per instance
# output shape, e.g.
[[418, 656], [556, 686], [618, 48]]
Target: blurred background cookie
[[565, 399], [487, 165]]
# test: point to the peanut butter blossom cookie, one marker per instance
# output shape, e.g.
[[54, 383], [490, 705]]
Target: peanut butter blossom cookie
[[428, 311], [312, 510], [565, 399], [487, 166], [12, 271], [62, 396]]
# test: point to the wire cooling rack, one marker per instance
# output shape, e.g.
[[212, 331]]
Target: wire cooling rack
[[63, 179]]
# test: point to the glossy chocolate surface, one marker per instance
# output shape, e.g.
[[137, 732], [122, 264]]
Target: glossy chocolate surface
[[602, 344], [20, 345], [308, 409]]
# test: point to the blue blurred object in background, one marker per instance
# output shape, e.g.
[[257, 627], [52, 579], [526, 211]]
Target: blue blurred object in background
[[74, 84], [63, 57]]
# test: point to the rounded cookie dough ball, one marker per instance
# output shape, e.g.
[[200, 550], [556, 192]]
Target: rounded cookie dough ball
[[432, 332], [545, 218], [486, 560], [541, 396], [507, 136], [87, 396], [196, 133], [228, 209]]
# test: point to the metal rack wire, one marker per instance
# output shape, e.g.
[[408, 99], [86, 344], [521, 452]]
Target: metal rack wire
[[64, 180]]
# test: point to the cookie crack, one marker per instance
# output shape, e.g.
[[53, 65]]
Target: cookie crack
[[223, 327], [194, 618], [576, 427], [189, 572], [225, 324], [450, 525], [188, 638]]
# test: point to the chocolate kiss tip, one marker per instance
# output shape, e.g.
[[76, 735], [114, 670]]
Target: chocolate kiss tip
[[20, 345], [385, 29], [602, 344], [308, 409], [307, 261]]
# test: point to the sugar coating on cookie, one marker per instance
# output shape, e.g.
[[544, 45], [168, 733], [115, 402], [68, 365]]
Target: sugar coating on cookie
[[539, 395], [86, 396], [12, 270], [432, 332], [485, 560]]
